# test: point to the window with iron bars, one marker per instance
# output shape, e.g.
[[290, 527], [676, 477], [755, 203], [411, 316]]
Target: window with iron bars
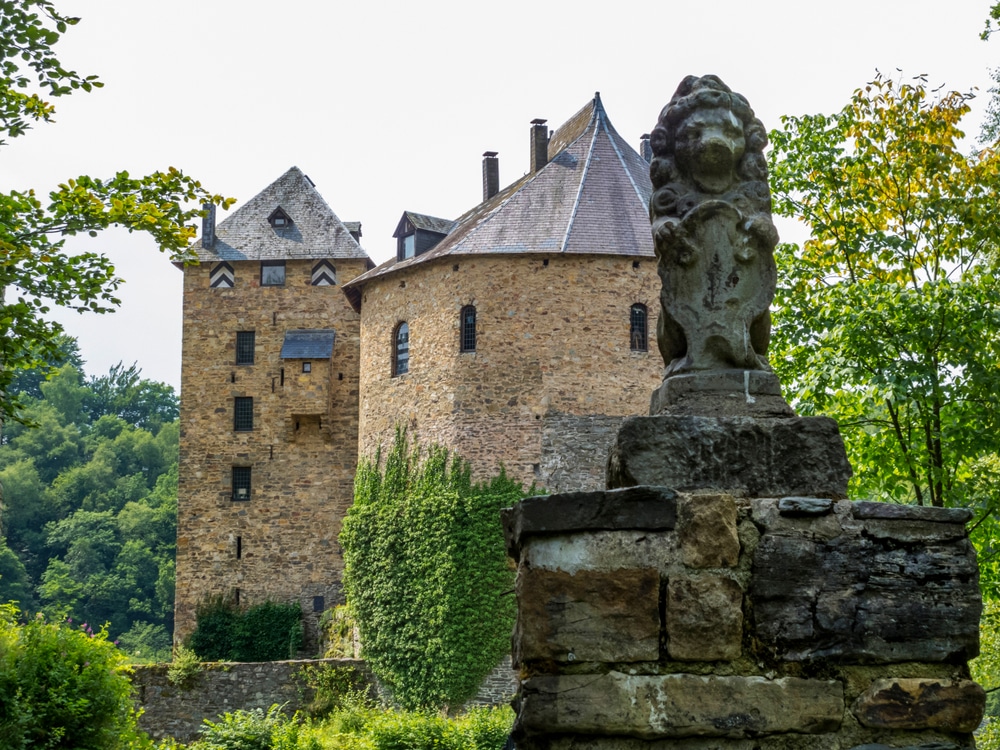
[[241, 483], [468, 326], [245, 341], [637, 328], [243, 414]]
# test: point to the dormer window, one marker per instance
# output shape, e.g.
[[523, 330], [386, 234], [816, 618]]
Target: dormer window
[[279, 219], [408, 246]]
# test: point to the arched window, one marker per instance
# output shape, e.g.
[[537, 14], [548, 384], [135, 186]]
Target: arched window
[[401, 350], [467, 317], [638, 337]]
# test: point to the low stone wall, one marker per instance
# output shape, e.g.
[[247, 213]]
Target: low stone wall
[[171, 711]]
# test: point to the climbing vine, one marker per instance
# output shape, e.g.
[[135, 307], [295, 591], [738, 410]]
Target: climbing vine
[[426, 573]]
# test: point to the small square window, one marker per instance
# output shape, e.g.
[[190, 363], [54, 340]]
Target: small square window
[[241, 485], [243, 414], [307, 367], [272, 273], [244, 347]]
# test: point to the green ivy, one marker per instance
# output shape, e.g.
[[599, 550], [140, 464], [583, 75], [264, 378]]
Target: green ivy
[[264, 632], [426, 573]]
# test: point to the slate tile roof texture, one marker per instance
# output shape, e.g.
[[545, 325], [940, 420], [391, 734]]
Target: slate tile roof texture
[[591, 198], [308, 343], [315, 232], [429, 223]]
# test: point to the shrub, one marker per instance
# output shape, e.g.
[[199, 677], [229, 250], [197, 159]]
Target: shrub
[[335, 687], [426, 575], [63, 687], [184, 668], [256, 730], [264, 632], [367, 729]]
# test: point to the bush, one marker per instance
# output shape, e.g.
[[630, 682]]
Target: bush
[[334, 687], [256, 730], [264, 632], [368, 729], [63, 687]]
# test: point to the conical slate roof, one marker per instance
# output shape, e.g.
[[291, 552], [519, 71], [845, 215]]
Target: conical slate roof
[[592, 197], [314, 232]]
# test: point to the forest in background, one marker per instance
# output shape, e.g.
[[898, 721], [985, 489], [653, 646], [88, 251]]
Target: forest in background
[[88, 519]]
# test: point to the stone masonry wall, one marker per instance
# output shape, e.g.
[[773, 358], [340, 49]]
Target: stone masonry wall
[[653, 619], [552, 364], [302, 450]]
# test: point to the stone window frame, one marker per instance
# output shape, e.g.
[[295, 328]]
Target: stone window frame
[[269, 279], [467, 329], [400, 349], [638, 330], [242, 479], [246, 342], [243, 414]]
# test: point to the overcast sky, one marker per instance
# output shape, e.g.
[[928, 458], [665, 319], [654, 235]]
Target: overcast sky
[[388, 106]]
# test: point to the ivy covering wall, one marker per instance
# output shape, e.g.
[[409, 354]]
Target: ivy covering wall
[[426, 573]]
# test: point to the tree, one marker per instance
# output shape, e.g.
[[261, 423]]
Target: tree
[[426, 576], [36, 270], [888, 317]]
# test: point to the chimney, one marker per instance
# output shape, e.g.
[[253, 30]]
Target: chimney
[[491, 175], [645, 150], [208, 226], [539, 144]]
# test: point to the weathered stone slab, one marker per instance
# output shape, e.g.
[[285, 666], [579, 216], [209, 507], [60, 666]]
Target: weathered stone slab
[[922, 703], [588, 616], [600, 550], [804, 506], [767, 515], [707, 531], [652, 507], [677, 705], [865, 509], [759, 457], [704, 618], [858, 599], [721, 393]]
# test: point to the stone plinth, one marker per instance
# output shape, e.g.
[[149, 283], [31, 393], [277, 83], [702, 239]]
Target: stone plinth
[[652, 619]]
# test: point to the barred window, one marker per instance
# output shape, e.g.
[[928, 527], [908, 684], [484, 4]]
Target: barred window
[[468, 326], [243, 414], [241, 490], [401, 350], [244, 347], [637, 328]]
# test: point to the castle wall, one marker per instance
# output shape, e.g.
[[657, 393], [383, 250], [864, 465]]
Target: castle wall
[[553, 368], [302, 449]]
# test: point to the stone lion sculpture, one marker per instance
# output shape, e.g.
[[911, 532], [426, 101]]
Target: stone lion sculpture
[[712, 230]]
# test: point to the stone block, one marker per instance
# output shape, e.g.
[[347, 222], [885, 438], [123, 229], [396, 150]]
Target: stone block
[[862, 599], [629, 508], [767, 514], [707, 531], [804, 507], [921, 703], [588, 616], [600, 550], [677, 705], [756, 456], [704, 618]]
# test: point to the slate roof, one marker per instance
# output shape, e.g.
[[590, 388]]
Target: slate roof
[[315, 232], [591, 198], [308, 343], [428, 223]]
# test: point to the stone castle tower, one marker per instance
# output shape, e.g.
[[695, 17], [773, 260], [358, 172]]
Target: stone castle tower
[[269, 404], [519, 334]]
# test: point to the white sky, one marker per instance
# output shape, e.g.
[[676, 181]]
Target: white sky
[[388, 106]]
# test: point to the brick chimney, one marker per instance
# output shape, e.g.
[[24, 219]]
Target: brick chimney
[[491, 175], [208, 226], [645, 149], [539, 144]]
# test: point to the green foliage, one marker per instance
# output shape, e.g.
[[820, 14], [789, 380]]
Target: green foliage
[[256, 730], [268, 631], [986, 671], [334, 687], [337, 628], [90, 513], [146, 643], [359, 728], [888, 317], [426, 574], [184, 668], [63, 687], [36, 270]]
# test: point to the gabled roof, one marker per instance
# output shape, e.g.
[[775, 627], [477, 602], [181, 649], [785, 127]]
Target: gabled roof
[[591, 198], [423, 221], [315, 231]]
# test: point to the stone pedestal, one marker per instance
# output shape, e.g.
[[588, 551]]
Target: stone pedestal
[[758, 617]]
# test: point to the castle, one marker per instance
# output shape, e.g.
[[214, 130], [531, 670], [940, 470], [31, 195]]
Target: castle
[[517, 334]]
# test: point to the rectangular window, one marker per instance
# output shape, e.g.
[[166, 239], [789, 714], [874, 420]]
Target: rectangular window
[[272, 273], [241, 489], [409, 246], [244, 347], [243, 414], [319, 603]]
